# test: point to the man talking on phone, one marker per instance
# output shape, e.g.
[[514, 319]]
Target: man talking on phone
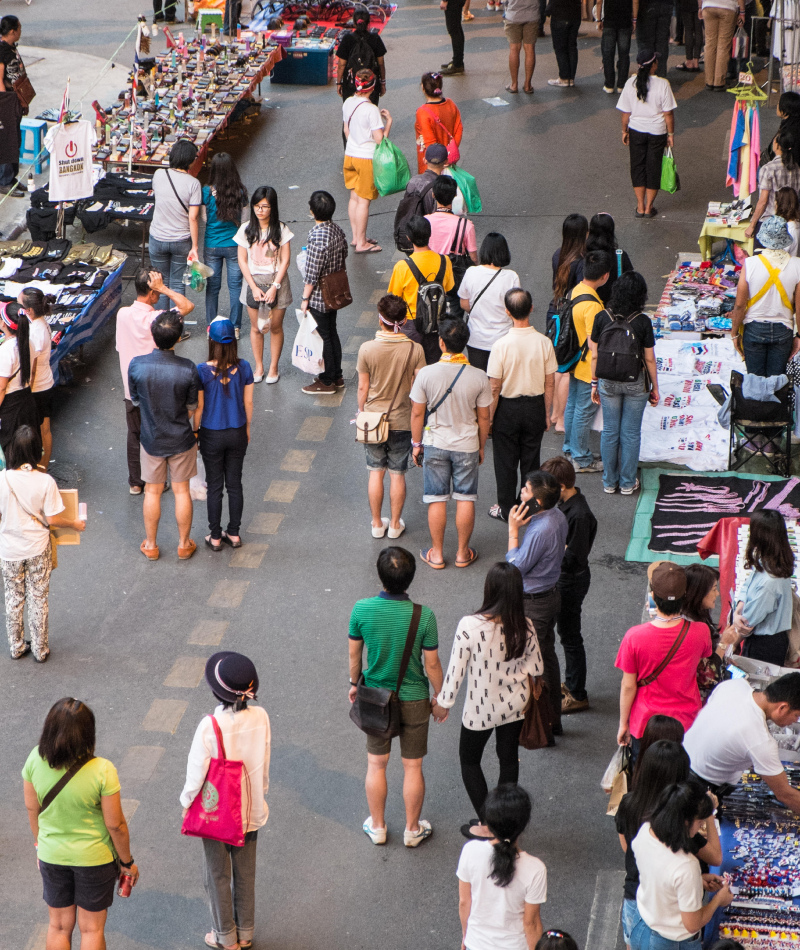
[[539, 558]]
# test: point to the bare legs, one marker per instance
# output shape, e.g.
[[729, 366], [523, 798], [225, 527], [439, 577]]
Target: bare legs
[[275, 331], [437, 522], [256, 341], [513, 65], [358, 212], [152, 512], [645, 198], [62, 923], [47, 443], [397, 497], [377, 789], [559, 401]]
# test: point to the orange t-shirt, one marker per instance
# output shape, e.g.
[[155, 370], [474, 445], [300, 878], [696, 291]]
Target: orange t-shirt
[[428, 130]]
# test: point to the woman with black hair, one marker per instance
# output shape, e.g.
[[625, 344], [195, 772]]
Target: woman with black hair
[[623, 401], [265, 251], [602, 237], [81, 833], [499, 632], [669, 900], [175, 231], [223, 199], [782, 172], [664, 763], [229, 872], [42, 382], [482, 295], [702, 592], [567, 274], [556, 940], [17, 403], [764, 615], [500, 887], [648, 126], [437, 120]]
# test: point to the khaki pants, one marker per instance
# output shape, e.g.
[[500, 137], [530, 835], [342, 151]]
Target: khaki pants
[[720, 26]]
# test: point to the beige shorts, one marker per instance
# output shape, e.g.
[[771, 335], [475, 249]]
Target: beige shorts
[[517, 33], [358, 177], [181, 467], [415, 717]]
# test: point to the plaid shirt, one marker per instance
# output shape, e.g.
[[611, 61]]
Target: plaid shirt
[[774, 176], [326, 251]]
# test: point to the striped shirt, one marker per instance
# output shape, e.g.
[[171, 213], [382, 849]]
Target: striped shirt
[[326, 252], [382, 623]]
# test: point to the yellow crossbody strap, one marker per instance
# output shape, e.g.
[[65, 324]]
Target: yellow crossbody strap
[[774, 280]]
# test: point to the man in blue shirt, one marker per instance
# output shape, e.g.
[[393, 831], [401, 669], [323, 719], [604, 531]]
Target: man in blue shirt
[[539, 560], [165, 387]]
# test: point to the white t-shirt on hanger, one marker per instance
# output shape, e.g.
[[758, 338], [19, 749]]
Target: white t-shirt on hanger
[[70, 148]]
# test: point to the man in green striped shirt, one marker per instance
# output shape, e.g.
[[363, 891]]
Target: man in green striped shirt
[[382, 623]]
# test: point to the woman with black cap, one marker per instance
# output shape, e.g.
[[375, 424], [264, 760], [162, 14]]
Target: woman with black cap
[[360, 49], [648, 125], [229, 872]]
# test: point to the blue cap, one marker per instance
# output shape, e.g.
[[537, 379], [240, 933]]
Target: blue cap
[[221, 330]]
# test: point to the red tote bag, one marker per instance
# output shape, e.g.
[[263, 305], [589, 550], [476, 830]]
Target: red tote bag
[[216, 812]]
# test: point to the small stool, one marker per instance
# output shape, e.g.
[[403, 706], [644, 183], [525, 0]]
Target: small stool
[[37, 129], [206, 17]]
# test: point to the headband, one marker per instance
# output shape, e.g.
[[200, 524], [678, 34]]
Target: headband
[[4, 315], [555, 933], [395, 326], [362, 85], [248, 693]]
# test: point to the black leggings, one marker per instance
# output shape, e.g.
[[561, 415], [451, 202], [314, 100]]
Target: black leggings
[[470, 751]]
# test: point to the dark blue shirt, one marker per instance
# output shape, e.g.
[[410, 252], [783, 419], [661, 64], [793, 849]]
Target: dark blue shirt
[[223, 403], [542, 550], [164, 387]]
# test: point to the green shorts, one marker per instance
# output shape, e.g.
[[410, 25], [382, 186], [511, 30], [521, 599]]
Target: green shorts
[[415, 715]]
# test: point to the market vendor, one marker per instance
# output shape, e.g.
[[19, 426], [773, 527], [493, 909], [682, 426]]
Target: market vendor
[[730, 735]]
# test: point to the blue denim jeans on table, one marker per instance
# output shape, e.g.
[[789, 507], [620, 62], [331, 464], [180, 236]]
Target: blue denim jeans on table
[[169, 259], [578, 415], [767, 346], [442, 468], [214, 257], [643, 938], [617, 41], [623, 407]]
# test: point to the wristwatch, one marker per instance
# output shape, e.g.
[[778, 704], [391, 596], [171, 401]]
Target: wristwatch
[[276, 284], [126, 864]]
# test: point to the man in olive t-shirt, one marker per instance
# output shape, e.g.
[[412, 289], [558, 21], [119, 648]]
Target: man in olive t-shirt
[[387, 367]]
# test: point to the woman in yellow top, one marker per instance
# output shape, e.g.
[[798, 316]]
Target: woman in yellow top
[[79, 830]]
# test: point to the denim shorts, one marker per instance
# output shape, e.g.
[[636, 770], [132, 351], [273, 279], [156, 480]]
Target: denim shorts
[[643, 937], [442, 468], [630, 915], [392, 454]]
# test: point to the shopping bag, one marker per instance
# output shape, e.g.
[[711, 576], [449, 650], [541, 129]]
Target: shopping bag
[[618, 791], [307, 349], [469, 189], [670, 182], [197, 483], [615, 778], [390, 169], [740, 48]]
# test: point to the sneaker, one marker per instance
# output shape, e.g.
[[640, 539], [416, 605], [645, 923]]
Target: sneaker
[[571, 705], [563, 83], [610, 489], [395, 533], [136, 489], [590, 469], [339, 384], [236, 332], [375, 835], [631, 490], [319, 388], [412, 839], [609, 90], [380, 532], [496, 512], [452, 70]]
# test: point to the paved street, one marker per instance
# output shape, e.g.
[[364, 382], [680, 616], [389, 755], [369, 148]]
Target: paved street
[[131, 637]]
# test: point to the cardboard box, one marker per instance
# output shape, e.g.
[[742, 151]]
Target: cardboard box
[[68, 535]]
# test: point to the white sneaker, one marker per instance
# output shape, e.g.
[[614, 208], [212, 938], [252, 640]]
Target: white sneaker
[[609, 91], [375, 835], [558, 82], [396, 532], [590, 469], [380, 532], [412, 839], [631, 490], [609, 489]]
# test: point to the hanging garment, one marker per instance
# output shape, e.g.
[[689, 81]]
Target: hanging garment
[[70, 147], [737, 136], [755, 148], [10, 114], [743, 190]]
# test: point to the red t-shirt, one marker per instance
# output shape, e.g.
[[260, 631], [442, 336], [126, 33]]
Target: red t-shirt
[[674, 692]]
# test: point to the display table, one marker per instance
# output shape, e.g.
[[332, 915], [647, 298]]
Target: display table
[[714, 229], [697, 298]]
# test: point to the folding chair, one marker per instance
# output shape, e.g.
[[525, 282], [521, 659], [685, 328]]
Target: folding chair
[[760, 430]]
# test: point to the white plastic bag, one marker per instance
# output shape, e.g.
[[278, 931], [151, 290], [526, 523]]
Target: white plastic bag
[[197, 483], [615, 766], [307, 349]]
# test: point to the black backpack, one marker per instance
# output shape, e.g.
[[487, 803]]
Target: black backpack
[[410, 204], [619, 352], [362, 56], [431, 298], [563, 335]]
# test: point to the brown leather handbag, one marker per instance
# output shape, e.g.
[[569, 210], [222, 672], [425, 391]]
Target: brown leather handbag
[[24, 90], [335, 289], [537, 732]]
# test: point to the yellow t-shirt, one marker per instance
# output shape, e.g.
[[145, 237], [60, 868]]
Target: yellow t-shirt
[[583, 315], [404, 284]]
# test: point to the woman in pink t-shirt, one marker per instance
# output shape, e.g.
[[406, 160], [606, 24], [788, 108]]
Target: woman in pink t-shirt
[[659, 660]]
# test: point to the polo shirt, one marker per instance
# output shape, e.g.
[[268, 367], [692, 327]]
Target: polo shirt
[[133, 335], [444, 225], [165, 388], [540, 555], [404, 284], [583, 315], [382, 623], [522, 359]]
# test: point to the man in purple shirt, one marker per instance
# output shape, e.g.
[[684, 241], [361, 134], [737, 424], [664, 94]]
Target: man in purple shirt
[[539, 560]]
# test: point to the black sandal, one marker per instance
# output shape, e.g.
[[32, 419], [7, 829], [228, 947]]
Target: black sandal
[[216, 548], [234, 544]]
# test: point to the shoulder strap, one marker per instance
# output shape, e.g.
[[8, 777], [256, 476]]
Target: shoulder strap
[[619, 262], [411, 636], [172, 183], [218, 734], [773, 280], [442, 269], [436, 118], [29, 513], [672, 651], [416, 273], [483, 290], [458, 237], [400, 382], [449, 390], [582, 298], [65, 779]]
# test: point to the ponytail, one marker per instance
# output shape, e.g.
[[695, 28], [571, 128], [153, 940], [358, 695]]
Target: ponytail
[[504, 860], [643, 81], [22, 335], [35, 302], [506, 812]]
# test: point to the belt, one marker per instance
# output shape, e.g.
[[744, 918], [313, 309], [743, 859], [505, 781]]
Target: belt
[[538, 594], [721, 790]]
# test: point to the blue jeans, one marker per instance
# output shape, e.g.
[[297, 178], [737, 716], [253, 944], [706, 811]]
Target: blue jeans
[[618, 41], [441, 468], [643, 938], [169, 259], [630, 916], [578, 416], [214, 257], [767, 345], [623, 407]]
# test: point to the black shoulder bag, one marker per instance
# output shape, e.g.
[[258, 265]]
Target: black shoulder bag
[[376, 711]]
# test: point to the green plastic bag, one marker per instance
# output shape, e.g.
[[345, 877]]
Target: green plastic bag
[[390, 169], [469, 189], [670, 182]]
